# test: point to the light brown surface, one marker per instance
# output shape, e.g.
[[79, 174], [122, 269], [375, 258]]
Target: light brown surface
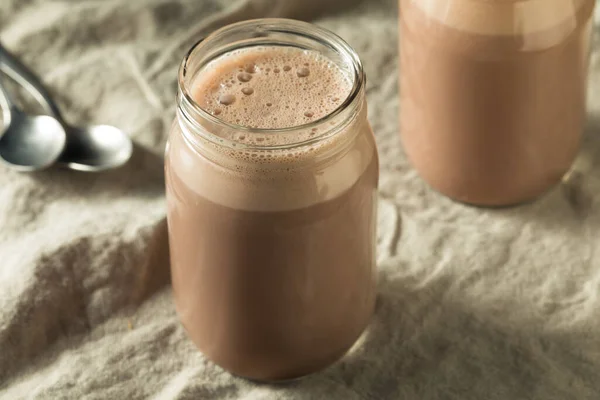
[[473, 304]]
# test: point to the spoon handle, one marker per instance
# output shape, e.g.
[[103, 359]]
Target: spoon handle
[[6, 107], [23, 75], [6, 99]]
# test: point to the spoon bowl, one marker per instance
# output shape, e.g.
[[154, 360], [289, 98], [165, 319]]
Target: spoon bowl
[[31, 143], [96, 148]]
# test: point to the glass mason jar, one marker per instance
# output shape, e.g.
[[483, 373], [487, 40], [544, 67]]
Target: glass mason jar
[[493, 94], [272, 237]]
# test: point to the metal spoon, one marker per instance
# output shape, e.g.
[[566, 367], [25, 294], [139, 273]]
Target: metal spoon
[[29, 142], [91, 148]]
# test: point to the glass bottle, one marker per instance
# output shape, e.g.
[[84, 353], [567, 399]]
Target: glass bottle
[[272, 231], [493, 94]]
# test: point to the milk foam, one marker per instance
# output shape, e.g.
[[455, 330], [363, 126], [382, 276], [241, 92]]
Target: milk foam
[[269, 189], [271, 87]]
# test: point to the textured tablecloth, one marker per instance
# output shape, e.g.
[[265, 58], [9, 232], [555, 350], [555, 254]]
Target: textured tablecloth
[[473, 303]]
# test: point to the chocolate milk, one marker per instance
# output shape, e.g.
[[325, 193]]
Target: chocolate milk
[[273, 260], [493, 94]]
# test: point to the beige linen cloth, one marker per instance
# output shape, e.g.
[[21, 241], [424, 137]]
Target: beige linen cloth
[[473, 303]]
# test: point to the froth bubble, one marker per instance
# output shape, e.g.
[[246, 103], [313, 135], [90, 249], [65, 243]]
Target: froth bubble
[[247, 91], [303, 72], [308, 114], [226, 99], [286, 68], [217, 112], [276, 70], [269, 104], [244, 77], [250, 68]]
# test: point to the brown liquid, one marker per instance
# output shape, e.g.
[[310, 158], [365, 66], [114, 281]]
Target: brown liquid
[[492, 119], [273, 253], [274, 295]]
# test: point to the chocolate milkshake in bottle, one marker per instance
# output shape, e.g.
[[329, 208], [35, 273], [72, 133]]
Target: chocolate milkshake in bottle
[[271, 172], [493, 93]]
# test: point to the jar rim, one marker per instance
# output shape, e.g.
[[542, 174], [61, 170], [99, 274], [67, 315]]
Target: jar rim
[[188, 105]]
